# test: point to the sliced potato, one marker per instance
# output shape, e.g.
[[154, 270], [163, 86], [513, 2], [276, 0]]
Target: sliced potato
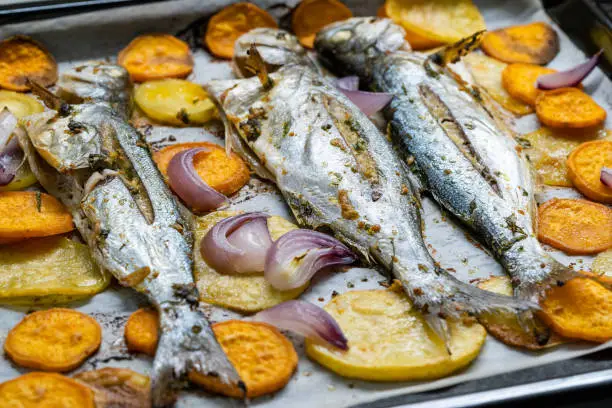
[[390, 341], [21, 106], [549, 148], [446, 21], [245, 293], [505, 327], [48, 271], [602, 264], [175, 102], [487, 73], [535, 43]]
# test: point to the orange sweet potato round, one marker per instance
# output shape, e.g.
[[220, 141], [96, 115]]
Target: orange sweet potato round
[[584, 166], [575, 226], [520, 81], [141, 331], [53, 340], [23, 59], [312, 15], [580, 309], [226, 174], [568, 108], [226, 26], [263, 357], [40, 215], [45, 390], [156, 56], [535, 43]]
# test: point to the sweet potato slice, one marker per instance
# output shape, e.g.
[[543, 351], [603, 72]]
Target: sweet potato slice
[[175, 102], [45, 390], [535, 43], [445, 21], [584, 169], [575, 226], [23, 59], [549, 148], [226, 174], [141, 331], [117, 387], [263, 357], [156, 56], [580, 309], [48, 271], [53, 340], [520, 81], [310, 16], [487, 73], [417, 42], [568, 108], [506, 327], [226, 26], [28, 214]]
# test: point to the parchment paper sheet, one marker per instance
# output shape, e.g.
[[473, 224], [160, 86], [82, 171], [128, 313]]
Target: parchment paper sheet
[[102, 34]]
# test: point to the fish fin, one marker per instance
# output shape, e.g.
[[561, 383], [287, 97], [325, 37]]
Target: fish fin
[[440, 327], [455, 51], [256, 65], [536, 290], [186, 343], [50, 100]]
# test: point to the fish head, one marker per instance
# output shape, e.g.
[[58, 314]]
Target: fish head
[[347, 46], [276, 47], [97, 81]]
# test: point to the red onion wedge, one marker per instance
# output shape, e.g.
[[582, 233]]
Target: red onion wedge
[[11, 156], [606, 176], [237, 244], [188, 185], [571, 77], [306, 319], [297, 255], [368, 102]]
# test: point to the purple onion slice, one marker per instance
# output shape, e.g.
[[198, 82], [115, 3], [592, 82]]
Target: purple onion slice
[[297, 255], [570, 77], [368, 102], [606, 176], [237, 244], [188, 184], [305, 319]]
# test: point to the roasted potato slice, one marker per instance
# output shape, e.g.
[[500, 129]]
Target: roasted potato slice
[[506, 327], [602, 264], [548, 149], [118, 387], [263, 357], [446, 21], [535, 43], [487, 73], [175, 102], [244, 293], [417, 42], [22, 59], [390, 341], [48, 271]]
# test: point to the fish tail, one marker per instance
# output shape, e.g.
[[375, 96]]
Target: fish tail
[[535, 290], [186, 343]]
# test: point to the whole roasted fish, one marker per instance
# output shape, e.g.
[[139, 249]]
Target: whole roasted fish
[[339, 174], [468, 160], [90, 158]]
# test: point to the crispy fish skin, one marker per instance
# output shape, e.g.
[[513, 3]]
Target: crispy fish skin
[[339, 174], [466, 157], [89, 157]]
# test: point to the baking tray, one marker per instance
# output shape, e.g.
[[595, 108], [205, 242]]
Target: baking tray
[[96, 42]]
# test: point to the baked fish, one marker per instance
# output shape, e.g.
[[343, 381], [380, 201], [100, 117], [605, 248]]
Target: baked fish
[[90, 158], [339, 174], [466, 157]]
